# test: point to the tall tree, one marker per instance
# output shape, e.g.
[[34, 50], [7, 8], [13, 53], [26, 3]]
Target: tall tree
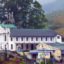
[[20, 9], [27, 14], [37, 17]]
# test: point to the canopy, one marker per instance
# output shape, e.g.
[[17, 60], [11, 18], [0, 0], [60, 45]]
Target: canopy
[[35, 51]]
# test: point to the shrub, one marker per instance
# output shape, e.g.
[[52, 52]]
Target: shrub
[[42, 62], [1, 59], [22, 62]]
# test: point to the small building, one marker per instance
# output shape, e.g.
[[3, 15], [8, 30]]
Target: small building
[[26, 39]]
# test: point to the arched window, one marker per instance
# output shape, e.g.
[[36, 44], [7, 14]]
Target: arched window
[[16, 38], [46, 38], [5, 37], [51, 38], [58, 37], [11, 39], [31, 38], [11, 46]]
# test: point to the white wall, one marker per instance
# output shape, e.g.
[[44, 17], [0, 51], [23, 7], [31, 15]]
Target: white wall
[[34, 40], [2, 37], [14, 46], [25, 40], [58, 39]]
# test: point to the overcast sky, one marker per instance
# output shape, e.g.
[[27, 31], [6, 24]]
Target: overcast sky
[[52, 5], [45, 2]]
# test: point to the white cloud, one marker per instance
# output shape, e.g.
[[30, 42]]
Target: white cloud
[[44, 2]]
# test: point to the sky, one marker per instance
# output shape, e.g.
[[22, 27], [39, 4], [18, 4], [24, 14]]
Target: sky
[[45, 2], [50, 6]]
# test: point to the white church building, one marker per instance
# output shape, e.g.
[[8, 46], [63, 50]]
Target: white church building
[[26, 39]]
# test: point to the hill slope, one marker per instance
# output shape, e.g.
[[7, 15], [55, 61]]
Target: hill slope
[[56, 18]]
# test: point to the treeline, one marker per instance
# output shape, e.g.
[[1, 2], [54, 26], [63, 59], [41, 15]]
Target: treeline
[[26, 14]]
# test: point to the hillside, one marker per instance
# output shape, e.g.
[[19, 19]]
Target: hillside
[[60, 31], [56, 18]]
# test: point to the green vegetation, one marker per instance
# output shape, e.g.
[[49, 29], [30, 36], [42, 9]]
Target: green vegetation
[[22, 62], [56, 19], [27, 14], [42, 62], [14, 60]]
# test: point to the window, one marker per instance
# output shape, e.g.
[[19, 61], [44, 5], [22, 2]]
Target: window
[[36, 38], [27, 46], [11, 46], [32, 47], [41, 38], [16, 38], [51, 38], [22, 38], [62, 39], [5, 37], [31, 38], [27, 38], [58, 37], [46, 38], [11, 38], [22, 46]]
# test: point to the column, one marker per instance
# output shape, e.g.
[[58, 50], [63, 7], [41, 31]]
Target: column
[[29, 46], [24, 46], [34, 46]]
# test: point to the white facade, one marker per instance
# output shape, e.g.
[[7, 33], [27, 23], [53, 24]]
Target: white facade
[[11, 42]]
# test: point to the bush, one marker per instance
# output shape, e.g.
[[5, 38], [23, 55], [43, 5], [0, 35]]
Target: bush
[[1, 59], [42, 62], [49, 62], [22, 62]]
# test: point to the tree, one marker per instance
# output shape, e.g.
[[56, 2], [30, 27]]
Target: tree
[[27, 14], [20, 9], [37, 17]]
